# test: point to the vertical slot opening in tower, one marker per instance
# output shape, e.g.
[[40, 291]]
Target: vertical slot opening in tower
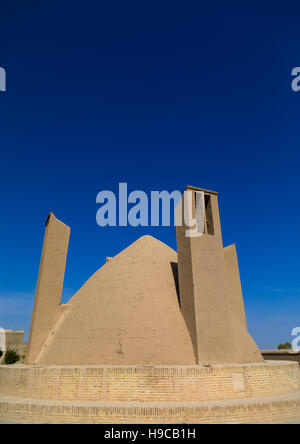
[[209, 221]]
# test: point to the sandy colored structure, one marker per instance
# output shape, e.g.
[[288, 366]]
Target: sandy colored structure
[[47, 308], [152, 337], [210, 290], [126, 313], [248, 393], [13, 340], [131, 311]]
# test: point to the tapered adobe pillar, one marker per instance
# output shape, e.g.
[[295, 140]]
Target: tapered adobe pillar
[[210, 293], [49, 286], [235, 294]]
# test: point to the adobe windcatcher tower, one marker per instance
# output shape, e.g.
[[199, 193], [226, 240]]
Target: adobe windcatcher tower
[[47, 301], [210, 290]]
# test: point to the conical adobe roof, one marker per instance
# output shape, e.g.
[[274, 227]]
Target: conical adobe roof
[[126, 313]]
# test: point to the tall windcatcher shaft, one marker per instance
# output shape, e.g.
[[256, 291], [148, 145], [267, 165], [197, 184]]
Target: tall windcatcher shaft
[[210, 292], [48, 294]]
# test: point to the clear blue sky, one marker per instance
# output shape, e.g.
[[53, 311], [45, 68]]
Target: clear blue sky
[[158, 94]]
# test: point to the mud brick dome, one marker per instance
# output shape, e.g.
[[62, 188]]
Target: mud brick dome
[[126, 313], [131, 311], [154, 336]]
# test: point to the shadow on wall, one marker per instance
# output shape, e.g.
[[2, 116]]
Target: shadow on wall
[[174, 267], [281, 355]]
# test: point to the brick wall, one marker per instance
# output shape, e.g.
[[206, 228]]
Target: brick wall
[[257, 393], [239, 413], [149, 384], [15, 340]]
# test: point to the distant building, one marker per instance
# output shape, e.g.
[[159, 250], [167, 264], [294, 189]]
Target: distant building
[[13, 340]]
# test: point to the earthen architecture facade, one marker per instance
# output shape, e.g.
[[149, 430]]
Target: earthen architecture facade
[[13, 340], [153, 336]]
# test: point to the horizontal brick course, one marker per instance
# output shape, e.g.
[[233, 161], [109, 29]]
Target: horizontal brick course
[[256, 411], [178, 394], [152, 384]]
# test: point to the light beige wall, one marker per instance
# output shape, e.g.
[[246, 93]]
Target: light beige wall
[[254, 412], [186, 286], [136, 394], [149, 384], [46, 308], [234, 289], [15, 341]]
